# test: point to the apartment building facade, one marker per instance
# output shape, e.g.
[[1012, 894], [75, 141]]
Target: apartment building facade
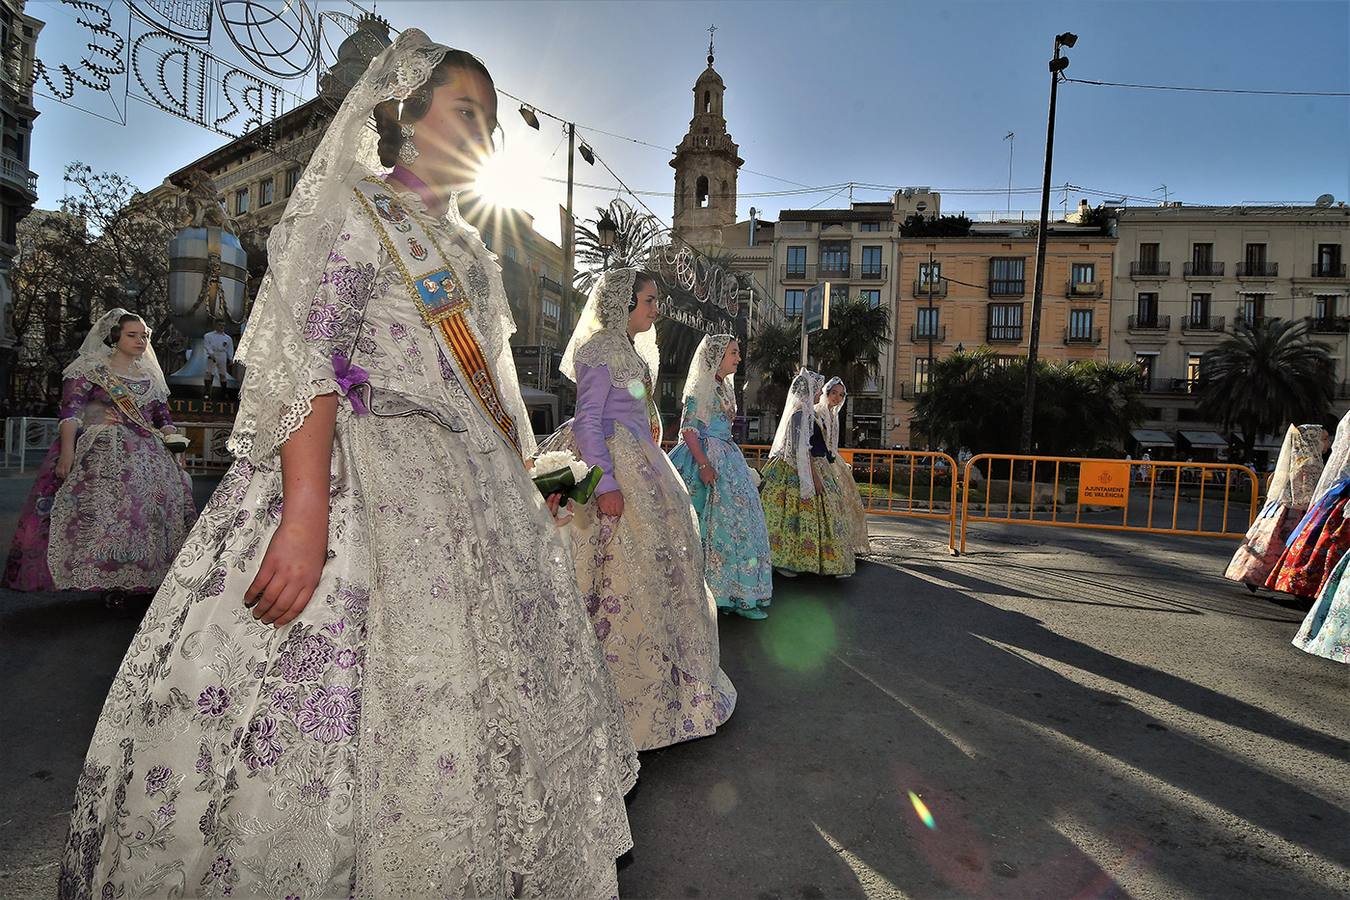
[[1186, 277]]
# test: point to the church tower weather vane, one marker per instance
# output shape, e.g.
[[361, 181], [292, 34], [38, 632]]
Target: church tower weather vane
[[712, 29]]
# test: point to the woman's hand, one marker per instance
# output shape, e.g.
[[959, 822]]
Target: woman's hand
[[64, 462], [289, 573], [611, 504], [707, 474]]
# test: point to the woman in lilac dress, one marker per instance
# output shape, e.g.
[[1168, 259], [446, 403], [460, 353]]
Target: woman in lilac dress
[[639, 557], [111, 505]]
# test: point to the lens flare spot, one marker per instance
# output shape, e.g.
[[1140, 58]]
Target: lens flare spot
[[722, 798], [636, 389], [921, 809], [801, 635]]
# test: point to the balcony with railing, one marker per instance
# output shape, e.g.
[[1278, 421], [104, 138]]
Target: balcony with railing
[[921, 334], [14, 174], [1328, 270], [1007, 287], [1329, 325], [1150, 268], [815, 272], [1245, 320], [1201, 269], [1003, 334], [1149, 323], [1169, 385], [938, 286], [1212, 324], [548, 284], [1258, 269], [1083, 335], [1084, 289]]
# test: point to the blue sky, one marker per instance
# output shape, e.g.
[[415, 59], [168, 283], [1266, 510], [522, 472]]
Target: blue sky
[[895, 93]]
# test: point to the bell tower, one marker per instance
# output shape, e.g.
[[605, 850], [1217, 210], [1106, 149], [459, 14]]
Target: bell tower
[[706, 164]]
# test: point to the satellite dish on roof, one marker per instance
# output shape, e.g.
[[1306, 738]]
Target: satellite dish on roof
[[1324, 201]]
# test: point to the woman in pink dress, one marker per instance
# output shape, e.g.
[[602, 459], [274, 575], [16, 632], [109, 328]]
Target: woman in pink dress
[[111, 506]]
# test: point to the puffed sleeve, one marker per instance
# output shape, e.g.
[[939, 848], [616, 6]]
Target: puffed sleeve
[[688, 420], [588, 426], [75, 394]]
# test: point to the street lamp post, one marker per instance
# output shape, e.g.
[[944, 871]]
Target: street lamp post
[[931, 327], [1057, 65]]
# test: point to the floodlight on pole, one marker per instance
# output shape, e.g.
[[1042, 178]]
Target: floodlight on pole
[[529, 116]]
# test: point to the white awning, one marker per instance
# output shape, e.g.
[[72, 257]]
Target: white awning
[[1147, 437], [1203, 438]]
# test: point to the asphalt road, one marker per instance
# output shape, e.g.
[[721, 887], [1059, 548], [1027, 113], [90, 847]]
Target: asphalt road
[[1081, 714]]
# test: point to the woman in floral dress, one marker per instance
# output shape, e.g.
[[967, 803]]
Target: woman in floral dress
[[1322, 536], [111, 505], [1296, 473], [827, 415], [369, 673], [639, 559], [803, 506], [735, 543]]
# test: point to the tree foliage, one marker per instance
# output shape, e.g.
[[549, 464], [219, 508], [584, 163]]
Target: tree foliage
[[1082, 408], [917, 225], [1265, 377], [106, 247]]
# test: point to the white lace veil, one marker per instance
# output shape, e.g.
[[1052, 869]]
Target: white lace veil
[[792, 442], [710, 395], [828, 416], [1338, 464], [601, 335], [96, 354], [278, 390]]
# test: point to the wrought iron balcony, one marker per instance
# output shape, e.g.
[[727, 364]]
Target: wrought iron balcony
[[921, 334], [1003, 334], [1329, 325], [1150, 323], [1209, 269], [815, 272], [937, 285], [1168, 385], [1258, 270], [548, 284], [1082, 335], [1327, 270], [1084, 289], [1202, 323], [1150, 268], [1242, 320], [1007, 287]]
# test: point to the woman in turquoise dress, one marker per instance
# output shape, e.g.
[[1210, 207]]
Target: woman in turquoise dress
[[738, 564]]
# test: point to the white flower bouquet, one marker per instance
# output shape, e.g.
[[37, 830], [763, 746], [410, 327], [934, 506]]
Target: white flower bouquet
[[175, 442], [559, 472]]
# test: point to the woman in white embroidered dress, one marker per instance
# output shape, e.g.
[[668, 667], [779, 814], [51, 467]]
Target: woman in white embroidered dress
[[369, 673], [111, 506], [639, 557], [827, 415]]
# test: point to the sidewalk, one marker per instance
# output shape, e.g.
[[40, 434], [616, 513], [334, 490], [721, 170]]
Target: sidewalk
[[1084, 714]]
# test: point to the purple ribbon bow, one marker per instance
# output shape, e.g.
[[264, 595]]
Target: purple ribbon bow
[[349, 378]]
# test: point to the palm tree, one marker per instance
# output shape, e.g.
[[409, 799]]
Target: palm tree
[[853, 345], [635, 234], [1265, 376], [774, 355]]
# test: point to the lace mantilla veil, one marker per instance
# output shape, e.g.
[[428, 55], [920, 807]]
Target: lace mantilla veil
[[828, 416], [278, 390], [95, 355], [601, 335], [792, 441], [709, 395], [1338, 464]]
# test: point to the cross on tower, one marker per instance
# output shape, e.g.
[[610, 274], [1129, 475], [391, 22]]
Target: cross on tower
[[712, 29]]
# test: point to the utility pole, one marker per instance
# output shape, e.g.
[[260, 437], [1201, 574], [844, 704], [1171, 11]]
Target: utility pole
[[569, 227], [1057, 65], [928, 375]]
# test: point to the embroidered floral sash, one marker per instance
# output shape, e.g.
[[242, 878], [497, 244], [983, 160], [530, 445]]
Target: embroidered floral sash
[[123, 398], [440, 297]]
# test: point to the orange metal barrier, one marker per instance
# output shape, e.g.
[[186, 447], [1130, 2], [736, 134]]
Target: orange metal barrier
[[903, 483], [1110, 494]]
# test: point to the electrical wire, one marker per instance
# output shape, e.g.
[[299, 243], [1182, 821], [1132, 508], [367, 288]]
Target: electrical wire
[[1206, 90]]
